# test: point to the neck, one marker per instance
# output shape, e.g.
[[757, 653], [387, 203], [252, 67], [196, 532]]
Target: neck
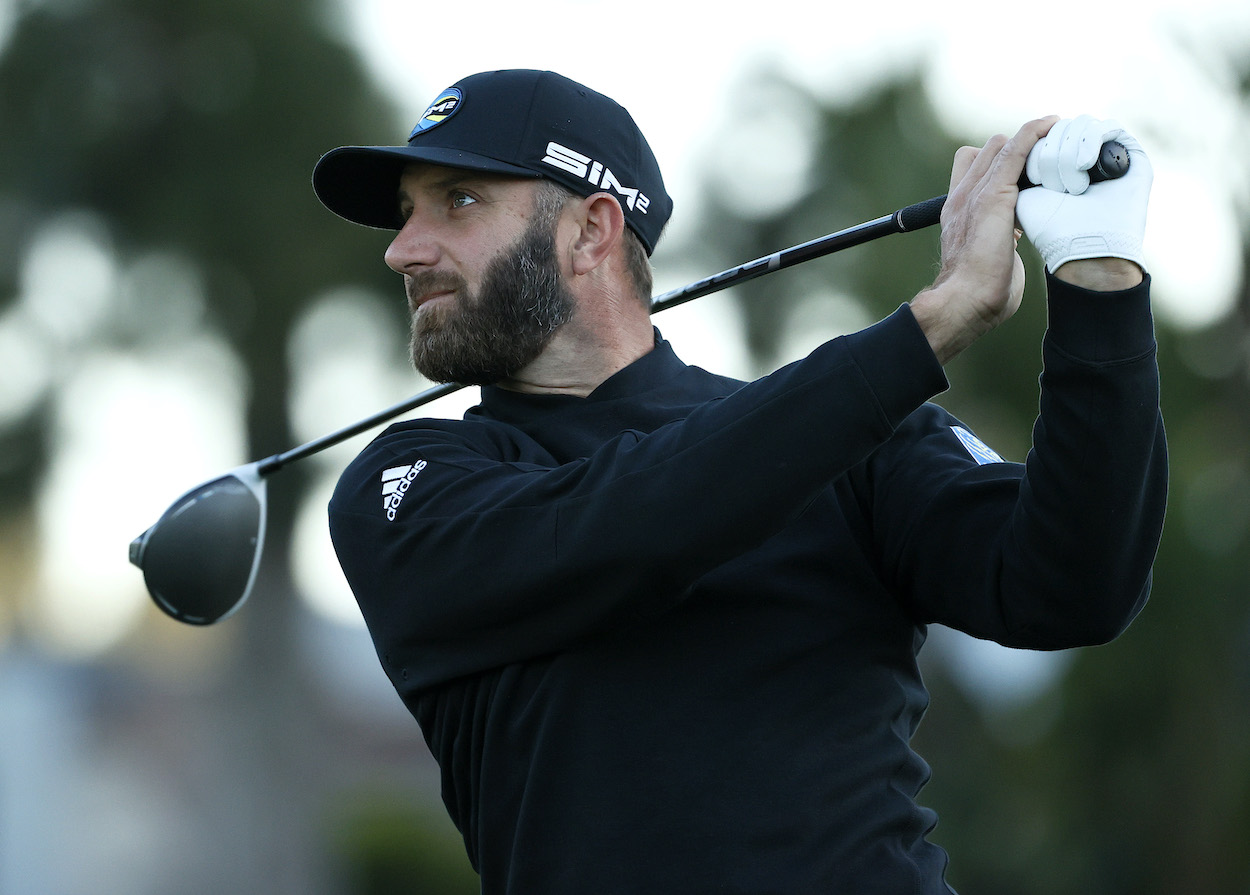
[[587, 350]]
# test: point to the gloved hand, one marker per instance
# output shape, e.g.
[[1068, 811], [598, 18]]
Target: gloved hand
[[1067, 218]]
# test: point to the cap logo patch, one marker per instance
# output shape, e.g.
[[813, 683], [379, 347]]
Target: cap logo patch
[[440, 110]]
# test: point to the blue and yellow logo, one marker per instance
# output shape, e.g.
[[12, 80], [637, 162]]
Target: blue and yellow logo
[[439, 111]]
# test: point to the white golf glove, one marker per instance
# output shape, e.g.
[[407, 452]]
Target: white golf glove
[[1067, 218]]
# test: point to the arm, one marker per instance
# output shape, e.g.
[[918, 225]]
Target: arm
[[1056, 552], [1063, 557], [494, 558]]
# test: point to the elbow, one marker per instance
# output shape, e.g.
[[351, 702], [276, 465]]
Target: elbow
[[1116, 622], [1091, 617]]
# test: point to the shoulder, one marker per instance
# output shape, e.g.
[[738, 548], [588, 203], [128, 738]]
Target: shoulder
[[432, 448], [449, 439]]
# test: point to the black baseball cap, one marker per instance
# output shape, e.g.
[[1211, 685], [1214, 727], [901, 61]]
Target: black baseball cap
[[521, 122]]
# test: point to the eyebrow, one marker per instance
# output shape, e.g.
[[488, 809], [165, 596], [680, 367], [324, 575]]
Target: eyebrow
[[457, 178], [452, 180]]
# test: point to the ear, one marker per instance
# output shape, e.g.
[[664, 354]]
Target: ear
[[602, 226]]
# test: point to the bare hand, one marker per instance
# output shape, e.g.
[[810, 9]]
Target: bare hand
[[981, 279]]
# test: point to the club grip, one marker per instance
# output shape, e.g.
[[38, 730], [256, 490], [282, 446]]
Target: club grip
[[918, 216], [1112, 163]]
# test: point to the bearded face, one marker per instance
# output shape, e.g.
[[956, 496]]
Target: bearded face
[[485, 336]]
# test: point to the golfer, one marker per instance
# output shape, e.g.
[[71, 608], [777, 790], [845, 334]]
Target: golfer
[[660, 627]]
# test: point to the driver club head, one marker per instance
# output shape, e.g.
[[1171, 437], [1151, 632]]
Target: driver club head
[[200, 559]]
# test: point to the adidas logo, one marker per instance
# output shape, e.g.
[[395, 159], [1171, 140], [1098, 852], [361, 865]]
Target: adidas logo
[[395, 484], [980, 451]]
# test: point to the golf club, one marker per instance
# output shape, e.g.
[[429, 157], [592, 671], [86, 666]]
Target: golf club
[[200, 559]]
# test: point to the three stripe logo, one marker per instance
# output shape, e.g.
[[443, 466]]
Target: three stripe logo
[[395, 484]]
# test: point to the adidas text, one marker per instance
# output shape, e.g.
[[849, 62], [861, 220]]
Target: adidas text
[[395, 484]]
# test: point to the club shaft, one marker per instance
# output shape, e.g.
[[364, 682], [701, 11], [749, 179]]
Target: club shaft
[[913, 217], [905, 220], [277, 461]]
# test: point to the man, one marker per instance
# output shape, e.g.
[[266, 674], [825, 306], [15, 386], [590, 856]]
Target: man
[[658, 627]]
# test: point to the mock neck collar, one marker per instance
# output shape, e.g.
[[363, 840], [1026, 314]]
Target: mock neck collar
[[655, 368]]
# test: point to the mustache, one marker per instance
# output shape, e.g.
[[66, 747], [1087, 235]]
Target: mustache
[[426, 281]]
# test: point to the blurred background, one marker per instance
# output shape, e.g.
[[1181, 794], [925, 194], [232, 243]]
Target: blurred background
[[175, 302]]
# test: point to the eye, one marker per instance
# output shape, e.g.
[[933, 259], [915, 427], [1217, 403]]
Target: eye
[[460, 199]]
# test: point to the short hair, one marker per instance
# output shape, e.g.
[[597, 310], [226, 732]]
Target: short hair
[[550, 200]]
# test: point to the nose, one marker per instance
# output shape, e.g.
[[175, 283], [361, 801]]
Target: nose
[[412, 248]]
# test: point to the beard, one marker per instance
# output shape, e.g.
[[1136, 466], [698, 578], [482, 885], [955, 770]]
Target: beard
[[487, 336]]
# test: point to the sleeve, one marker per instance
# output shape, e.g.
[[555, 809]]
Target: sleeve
[[1055, 552], [489, 561]]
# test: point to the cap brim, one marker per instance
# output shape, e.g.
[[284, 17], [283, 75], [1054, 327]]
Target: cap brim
[[361, 183]]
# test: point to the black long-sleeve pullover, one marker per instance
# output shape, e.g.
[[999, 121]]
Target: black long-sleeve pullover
[[663, 639]]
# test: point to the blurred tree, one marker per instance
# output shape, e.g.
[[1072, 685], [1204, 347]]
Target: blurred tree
[[1132, 774], [377, 846], [190, 130]]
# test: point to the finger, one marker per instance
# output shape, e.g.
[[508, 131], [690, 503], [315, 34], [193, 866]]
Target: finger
[[1074, 154], [1082, 146], [984, 162], [1042, 158], [971, 164], [1042, 164], [964, 157], [1087, 135], [1011, 160]]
